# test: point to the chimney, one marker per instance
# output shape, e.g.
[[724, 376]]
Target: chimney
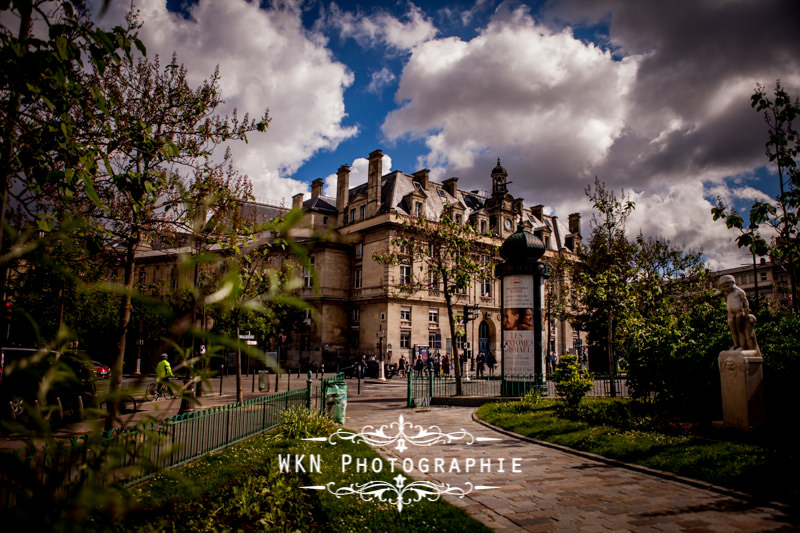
[[316, 188], [374, 183], [575, 223], [297, 201], [538, 212], [451, 186], [422, 176], [342, 192]]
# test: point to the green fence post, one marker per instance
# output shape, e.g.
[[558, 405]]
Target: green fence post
[[410, 394], [430, 383], [309, 384]]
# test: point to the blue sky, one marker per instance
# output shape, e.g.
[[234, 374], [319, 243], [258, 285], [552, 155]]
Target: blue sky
[[651, 97]]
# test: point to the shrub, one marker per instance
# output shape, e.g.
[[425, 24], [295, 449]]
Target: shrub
[[301, 423], [572, 383]]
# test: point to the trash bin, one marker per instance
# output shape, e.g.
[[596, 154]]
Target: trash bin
[[336, 400], [262, 380]]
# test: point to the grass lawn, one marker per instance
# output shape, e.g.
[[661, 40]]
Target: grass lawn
[[764, 465], [243, 489]]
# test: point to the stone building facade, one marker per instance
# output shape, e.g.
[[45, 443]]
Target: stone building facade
[[356, 312]]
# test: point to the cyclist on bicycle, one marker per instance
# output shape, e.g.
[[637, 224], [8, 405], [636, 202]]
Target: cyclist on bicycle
[[163, 373]]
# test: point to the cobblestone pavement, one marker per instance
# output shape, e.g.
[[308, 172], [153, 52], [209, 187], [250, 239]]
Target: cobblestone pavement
[[555, 490]]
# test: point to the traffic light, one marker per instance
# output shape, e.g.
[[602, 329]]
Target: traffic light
[[8, 309]]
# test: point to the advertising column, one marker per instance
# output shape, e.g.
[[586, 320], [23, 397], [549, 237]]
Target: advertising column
[[522, 280]]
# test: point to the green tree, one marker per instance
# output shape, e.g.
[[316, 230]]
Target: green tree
[[778, 219], [606, 271], [439, 255], [258, 295], [47, 50], [156, 141]]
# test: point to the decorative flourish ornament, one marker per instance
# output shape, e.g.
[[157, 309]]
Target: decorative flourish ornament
[[399, 494], [402, 432]]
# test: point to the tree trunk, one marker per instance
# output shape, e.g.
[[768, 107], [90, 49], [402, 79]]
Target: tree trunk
[[238, 360], [124, 323], [611, 365], [456, 358]]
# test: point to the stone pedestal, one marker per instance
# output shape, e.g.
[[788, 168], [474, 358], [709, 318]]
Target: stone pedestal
[[742, 376]]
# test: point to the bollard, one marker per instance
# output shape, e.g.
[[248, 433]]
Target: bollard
[[221, 367], [309, 384], [276, 381], [254, 382], [359, 381]]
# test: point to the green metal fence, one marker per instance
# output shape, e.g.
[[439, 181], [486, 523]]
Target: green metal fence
[[133, 454], [422, 388]]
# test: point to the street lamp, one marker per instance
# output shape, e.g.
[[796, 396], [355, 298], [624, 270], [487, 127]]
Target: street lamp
[[753, 226]]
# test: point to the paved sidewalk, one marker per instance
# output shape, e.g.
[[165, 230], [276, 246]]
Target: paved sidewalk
[[557, 490]]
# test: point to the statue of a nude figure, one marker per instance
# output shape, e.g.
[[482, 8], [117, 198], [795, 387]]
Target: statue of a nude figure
[[740, 321]]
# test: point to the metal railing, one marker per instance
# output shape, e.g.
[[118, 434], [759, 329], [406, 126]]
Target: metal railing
[[135, 453], [422, 388]]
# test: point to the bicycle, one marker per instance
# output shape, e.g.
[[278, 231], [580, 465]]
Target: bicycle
[[153, 392]]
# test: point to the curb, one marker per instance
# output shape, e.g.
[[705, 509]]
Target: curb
[[663, 474]]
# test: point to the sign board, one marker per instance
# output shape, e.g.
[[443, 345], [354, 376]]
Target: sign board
[[423, 351], [251, 343], [247, 337], [518, 332]]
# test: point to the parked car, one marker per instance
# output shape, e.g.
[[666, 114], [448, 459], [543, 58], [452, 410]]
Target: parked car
[[100, 370], [69, 380]]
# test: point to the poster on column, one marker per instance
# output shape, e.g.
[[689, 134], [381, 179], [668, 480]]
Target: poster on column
[[518, 333]]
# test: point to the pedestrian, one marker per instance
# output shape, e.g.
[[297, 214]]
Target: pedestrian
[[446, 365], [402, 365], [491, 362], [437, 364], [481, 363]]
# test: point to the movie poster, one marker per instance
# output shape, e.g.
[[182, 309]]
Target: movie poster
[[518, 332]]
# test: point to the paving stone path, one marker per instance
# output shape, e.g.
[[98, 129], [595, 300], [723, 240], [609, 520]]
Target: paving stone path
[[557, 490]]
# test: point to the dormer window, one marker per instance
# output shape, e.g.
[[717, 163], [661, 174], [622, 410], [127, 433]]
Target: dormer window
[[441, 193], [418, 209]]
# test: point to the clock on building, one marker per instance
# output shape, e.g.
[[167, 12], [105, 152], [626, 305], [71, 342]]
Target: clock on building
[[508, 224]]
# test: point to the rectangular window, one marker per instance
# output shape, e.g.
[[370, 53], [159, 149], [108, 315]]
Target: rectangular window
[[308, 280], [432, 340], [325, 221], [359, 250], [486, 287], [458, 219], [763, 276], [354, 340], [357, 278], [433, 316], [405, 340], [352, 215], [363, 212], [305, 342], [418, 209], [405, 314], [483, 226], [433, 280], [356, 315], [405, 274]]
